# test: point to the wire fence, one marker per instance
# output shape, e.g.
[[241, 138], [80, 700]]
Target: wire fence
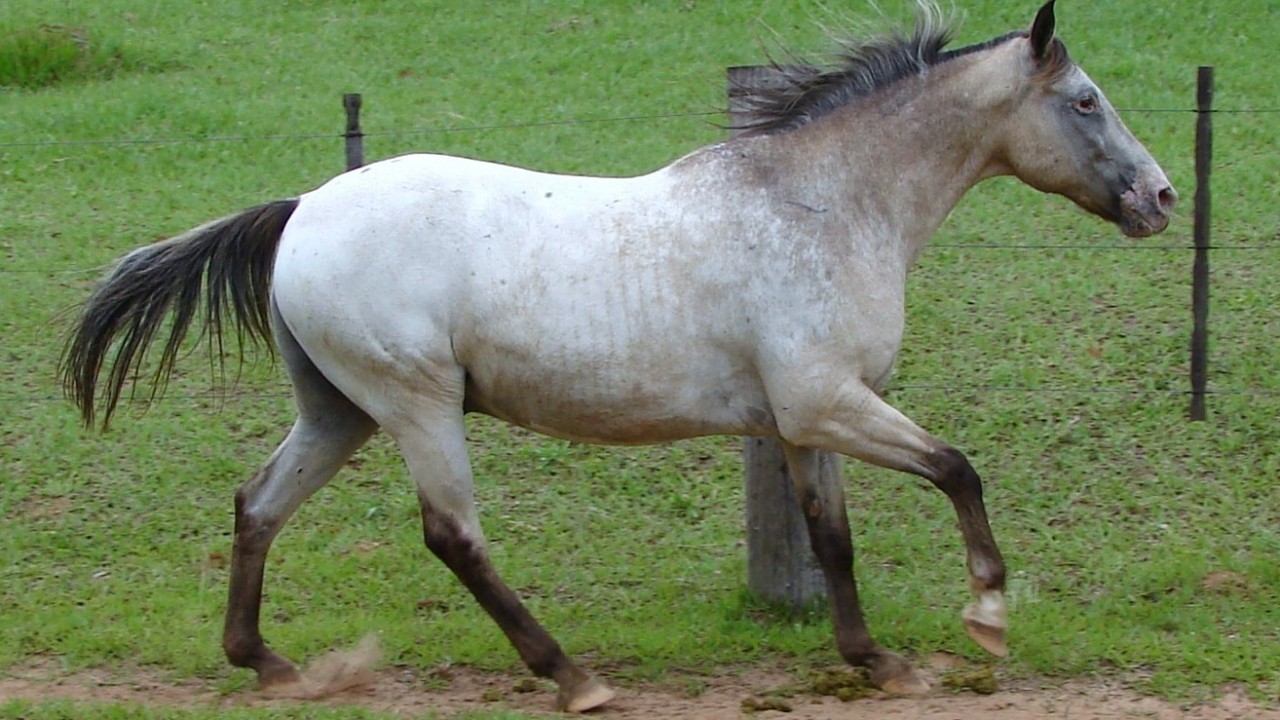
[[354, 133], [448, 129], [220, 398]]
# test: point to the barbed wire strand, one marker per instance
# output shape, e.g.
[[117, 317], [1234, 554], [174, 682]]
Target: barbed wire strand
[[932, 246], [222, 398], [367, 134], [489, 128]]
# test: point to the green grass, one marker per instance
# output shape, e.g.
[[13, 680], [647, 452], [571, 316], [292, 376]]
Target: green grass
[[45, 55], [1110, 507]]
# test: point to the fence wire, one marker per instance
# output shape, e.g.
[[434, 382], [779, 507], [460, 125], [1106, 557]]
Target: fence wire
[[230, 395], [489, 128], [375, 133], [1134, 247]]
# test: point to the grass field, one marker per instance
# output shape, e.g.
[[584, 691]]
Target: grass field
[[1142, 547]]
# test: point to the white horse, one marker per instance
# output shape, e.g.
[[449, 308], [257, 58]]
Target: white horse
[[753, 287]]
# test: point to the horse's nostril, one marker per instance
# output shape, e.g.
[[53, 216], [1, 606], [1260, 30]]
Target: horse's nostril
[[1167, 198]]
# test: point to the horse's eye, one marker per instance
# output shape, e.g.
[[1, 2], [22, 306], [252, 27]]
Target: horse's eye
[[1087, 105]]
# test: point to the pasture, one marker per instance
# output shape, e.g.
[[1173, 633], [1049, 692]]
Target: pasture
[[1142, 548]]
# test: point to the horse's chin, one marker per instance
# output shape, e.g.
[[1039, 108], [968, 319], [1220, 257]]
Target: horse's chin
[[1132, 221], [1136, 225], [1139, 229]]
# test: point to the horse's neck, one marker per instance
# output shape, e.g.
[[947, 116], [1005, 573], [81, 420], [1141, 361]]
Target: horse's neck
[[899, 161]]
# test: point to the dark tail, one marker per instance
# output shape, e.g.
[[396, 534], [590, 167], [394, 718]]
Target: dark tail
[[230, 260]]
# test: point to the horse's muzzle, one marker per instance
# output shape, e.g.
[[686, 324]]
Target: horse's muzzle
[[1145, 208]]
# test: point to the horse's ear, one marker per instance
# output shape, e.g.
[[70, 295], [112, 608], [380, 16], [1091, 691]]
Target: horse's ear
[[1042, 31]]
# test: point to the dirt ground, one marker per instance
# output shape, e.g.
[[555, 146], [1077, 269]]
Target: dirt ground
[[719, 697]]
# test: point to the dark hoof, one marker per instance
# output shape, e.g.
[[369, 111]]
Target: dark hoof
[[275, 672], [894, 675]]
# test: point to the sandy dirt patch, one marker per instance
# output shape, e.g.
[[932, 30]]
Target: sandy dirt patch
[[449, 691]]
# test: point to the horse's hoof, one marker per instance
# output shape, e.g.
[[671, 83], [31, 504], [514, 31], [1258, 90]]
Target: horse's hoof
[[894, 675], [905, 686], [988, 637], [278, 675], [985, 622], [583, 697]]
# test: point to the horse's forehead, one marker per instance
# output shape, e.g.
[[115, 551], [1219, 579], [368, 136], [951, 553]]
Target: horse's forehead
[[1074, 80]]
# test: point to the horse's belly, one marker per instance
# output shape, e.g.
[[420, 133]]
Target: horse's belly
[[638, 411]]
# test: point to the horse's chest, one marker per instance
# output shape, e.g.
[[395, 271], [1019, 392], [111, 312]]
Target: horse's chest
[[877, 365]]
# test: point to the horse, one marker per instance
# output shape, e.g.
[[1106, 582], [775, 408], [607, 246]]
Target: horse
[[753, 287]]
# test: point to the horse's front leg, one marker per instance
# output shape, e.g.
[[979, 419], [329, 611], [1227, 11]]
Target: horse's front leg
[[854, 421], [822, 502]]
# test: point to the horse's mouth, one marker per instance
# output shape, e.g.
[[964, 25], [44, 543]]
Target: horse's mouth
[[1146, 210], [1136, 226]]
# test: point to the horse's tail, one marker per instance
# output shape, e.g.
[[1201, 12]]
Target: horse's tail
[[229, 259]]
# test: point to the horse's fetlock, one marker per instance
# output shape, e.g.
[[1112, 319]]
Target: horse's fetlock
[[242, 650], [547, 663], [863, 653], [987, 575]]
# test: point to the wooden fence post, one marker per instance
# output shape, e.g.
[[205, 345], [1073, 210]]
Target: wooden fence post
[[354, 136], [781, 566], [1200, 270]]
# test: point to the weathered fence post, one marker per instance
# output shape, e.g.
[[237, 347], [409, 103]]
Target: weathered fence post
[[354, 136], [781, 566], [1200, 270]]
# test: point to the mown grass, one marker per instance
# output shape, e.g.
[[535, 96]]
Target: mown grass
[[1112, 509]]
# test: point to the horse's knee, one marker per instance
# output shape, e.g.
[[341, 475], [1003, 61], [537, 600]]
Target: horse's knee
[[953, 474], [443, 540]]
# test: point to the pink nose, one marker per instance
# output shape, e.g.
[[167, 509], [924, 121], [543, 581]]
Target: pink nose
[[1167, 198]]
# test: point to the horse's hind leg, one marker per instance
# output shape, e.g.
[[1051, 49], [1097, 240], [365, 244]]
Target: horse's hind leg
[[434, 447], [328, 430]]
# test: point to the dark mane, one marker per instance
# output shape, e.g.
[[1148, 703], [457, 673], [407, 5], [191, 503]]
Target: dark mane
[[792, 95]]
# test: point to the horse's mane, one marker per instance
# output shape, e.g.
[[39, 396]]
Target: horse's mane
[[797, 93]]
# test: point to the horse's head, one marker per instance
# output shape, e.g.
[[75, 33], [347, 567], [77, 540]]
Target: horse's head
[[1064, 137]]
